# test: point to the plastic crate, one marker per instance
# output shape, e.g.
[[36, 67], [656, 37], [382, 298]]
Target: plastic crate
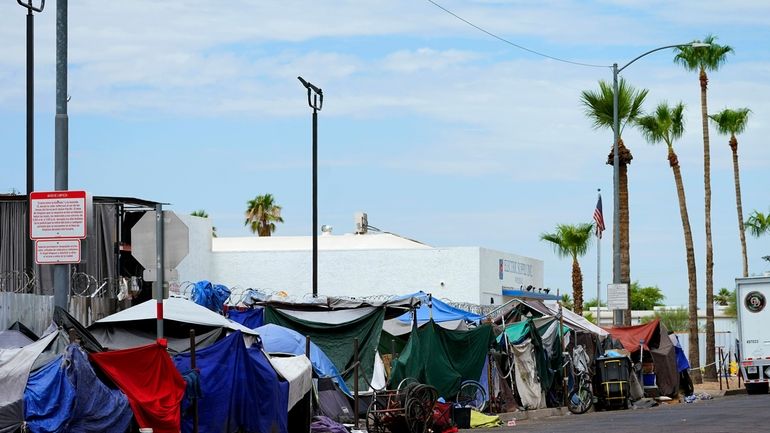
[[613, 369]]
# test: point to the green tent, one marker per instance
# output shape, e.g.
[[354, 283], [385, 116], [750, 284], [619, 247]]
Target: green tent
[[443, 358], [549, 368], [336, 339]]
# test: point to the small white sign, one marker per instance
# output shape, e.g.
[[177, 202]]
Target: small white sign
[[57, 215], [617, 296], [57, 251]]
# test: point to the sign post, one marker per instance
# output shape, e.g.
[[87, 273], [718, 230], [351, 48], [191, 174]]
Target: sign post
[[159, 292]]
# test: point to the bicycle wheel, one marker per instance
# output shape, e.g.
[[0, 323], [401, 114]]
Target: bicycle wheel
[[472, 394], [580, 400]]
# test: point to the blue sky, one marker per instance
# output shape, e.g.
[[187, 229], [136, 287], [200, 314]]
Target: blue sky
[[438, 131]]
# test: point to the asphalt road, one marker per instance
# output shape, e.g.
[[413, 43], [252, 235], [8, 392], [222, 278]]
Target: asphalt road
[[734, 414]]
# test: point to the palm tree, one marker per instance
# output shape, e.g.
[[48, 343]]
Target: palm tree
[[702, 59], [732, 122], [572, 241], [665, 125], [261, 215], [201, 213], [598, 107], [758, 223], [723, 297]]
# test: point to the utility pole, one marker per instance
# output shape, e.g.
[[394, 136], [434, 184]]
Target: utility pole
[[61, 273]]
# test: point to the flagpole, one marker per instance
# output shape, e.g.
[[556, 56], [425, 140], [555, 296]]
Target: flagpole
[[598, 269]]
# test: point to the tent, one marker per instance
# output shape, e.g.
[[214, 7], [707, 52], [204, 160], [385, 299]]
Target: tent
[[15, 366], [66, 395], [658, 344], [136, 326], [334, 331], [240, 388], [13, 339], [277, 339], [447, 316], [443, 358], [250, 318]]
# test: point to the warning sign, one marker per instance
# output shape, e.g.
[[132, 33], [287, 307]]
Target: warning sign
[[57, 214], [57, 252]]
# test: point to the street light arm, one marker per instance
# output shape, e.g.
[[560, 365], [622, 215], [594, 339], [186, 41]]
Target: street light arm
[[650, 52], [29, 5]]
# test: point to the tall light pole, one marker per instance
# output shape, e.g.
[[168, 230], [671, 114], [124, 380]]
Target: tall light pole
[[29, 260], [315, 99], [618, 314], [61, 273]]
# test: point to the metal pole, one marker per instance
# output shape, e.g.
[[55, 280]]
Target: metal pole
[[192, 367], [617, 314], [61, 276], [598, 270], [159, 266], [29, 260], [315, 202], [310, 394], [355, 381]]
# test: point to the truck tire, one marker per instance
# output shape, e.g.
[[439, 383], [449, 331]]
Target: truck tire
[[756, 388]]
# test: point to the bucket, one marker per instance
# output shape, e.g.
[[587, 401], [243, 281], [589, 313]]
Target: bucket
[[462, 417], [648, 379]]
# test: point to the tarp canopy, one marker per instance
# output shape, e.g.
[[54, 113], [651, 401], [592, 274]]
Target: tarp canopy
[[393, 307], [551, 309], [277, 339], [13, 340], [251, 318], [657, 342], [520, 331], [432, 308], [15, 365], [543, 333], [442, 358], [150, 381], [240, 388], [178, 310], [67, 396], [211, 296], [334, 332]]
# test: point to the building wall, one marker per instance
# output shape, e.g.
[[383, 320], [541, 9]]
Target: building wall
[[499, 270], [355, 272]]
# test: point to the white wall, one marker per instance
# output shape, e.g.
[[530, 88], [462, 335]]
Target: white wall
[[355, 272]]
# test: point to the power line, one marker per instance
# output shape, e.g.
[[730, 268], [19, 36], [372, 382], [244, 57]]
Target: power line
[[512, 43]]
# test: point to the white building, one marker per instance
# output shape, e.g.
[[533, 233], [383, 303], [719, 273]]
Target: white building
[[356, 265]]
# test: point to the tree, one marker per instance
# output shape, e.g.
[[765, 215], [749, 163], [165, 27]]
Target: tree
[[758, 223], [732, 305], [723, 297], [591, 303], [598, 106], [572, 241], [261, 215], [566, 301], [665, 125], [732, 122], [676, 320], [703, 59], [645, 298], [201, 213]]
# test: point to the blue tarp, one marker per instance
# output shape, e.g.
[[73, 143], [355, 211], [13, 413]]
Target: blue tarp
[[442, 312], [69, 397], [240, 388], [252, 318], [211, 296], [277, 339]]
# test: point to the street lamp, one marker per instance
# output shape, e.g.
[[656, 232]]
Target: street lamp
[[315, 99], [29, 262], [618, 314]]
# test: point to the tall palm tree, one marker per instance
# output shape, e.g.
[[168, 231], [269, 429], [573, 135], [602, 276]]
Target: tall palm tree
[[732, 122], [703, 59], [572, 241], [261, 215], [598, 107], [665, 125], [201, 213], [723, 297], [758, 223]]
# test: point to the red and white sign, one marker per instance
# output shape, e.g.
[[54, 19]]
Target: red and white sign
[[57, 251], [57, 215]]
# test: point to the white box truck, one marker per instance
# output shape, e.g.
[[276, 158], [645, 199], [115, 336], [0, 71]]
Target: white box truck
[[752, 296]]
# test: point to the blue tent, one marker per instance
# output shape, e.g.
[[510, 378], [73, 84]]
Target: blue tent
[[67, 396], [442, 312], [240, 389], [277, 339], [251, 318]]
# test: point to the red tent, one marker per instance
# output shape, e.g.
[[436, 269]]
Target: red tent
[[150, 380], [629, 336]]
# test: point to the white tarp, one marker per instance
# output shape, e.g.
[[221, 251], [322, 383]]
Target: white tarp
[[298, 371], [397, 327], [178, 310], [15, 365], [527, 382], [573, 319]]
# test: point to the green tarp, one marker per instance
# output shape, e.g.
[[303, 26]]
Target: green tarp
[[548, 367], [443, 358], [336, 340]]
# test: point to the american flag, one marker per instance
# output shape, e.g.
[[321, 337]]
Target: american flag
[[599, 218]]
